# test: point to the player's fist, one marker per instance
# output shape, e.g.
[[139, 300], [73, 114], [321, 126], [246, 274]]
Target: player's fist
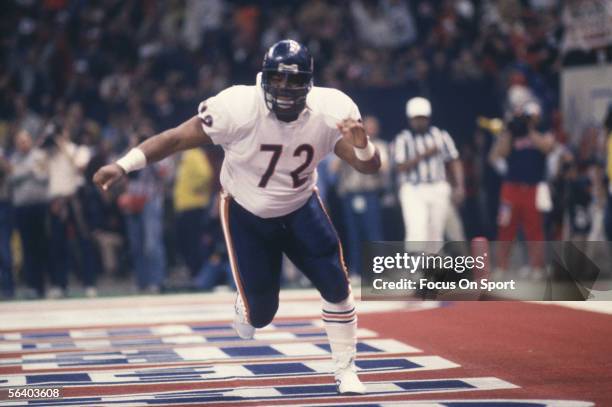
[[108, 175], [353, 131]]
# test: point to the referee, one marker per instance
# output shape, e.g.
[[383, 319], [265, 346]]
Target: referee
[[422, 154]]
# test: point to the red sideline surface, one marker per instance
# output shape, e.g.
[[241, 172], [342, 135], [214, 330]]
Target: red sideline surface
[[550, 351]]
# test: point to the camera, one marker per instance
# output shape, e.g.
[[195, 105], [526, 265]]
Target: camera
[[519, 126], [51, 131]]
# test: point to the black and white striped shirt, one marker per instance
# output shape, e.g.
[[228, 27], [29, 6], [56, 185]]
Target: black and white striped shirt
[[408, 146]]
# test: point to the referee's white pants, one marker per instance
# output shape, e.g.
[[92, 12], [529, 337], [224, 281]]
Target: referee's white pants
[[425, 209]]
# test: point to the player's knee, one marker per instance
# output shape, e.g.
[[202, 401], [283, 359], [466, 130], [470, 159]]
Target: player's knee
[[259, 320], [336, 293], [263, 313]]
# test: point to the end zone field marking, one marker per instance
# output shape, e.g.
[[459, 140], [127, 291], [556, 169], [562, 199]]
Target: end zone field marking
[[252, 371], [205, 354], [106, 345]]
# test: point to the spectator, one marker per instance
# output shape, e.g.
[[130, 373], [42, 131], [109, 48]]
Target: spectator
[[204, 18], [383, 23], [192, 196], [319, 20], [143, 206], [163, 109], [524, 149], [67, 161], [29, 181], [104, 220], [280, 27], [26, 118]]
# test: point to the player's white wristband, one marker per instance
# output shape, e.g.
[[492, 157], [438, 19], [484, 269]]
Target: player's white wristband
[[134, 160], [366, 153]]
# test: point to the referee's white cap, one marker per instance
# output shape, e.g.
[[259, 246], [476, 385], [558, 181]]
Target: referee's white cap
[[418, 106]]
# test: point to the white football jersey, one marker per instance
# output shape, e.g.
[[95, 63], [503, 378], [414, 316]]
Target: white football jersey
[[270, 165]]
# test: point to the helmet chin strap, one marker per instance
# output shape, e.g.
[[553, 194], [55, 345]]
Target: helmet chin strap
[[286, 116], [291, 114]]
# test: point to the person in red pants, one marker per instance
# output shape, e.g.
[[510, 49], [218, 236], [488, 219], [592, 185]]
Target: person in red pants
[[523, 193]]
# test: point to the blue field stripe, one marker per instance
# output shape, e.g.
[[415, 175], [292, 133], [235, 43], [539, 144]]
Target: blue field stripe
[[279, 368], [42, 335], [129, 331], [59, 378], [375, 364], [223, 338], [437, 385]]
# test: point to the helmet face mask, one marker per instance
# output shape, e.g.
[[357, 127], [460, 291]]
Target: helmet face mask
[[287, 79]]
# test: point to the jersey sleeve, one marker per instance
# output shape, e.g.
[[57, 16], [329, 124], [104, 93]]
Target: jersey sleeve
[[216, 118]]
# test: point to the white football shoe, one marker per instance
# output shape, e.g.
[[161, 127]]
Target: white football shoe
[[347, 381], [241, 324]]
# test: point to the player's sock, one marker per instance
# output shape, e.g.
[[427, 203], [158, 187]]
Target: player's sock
[[340, 320]]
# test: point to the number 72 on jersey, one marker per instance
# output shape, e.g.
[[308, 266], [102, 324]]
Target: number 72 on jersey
[[277, 150]]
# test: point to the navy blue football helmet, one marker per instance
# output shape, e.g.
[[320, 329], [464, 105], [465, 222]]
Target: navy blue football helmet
[[287, 78]]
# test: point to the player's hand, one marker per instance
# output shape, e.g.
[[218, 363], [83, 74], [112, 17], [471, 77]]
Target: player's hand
[[108, 175], [431, 151], [353, 131]]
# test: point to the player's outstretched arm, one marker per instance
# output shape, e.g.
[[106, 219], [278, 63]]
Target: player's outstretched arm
[[356, 149], [188, 134]]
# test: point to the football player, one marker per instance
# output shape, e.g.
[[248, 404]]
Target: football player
[[274, 134]]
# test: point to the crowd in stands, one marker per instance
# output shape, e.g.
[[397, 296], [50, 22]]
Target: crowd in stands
[[83, 81]]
